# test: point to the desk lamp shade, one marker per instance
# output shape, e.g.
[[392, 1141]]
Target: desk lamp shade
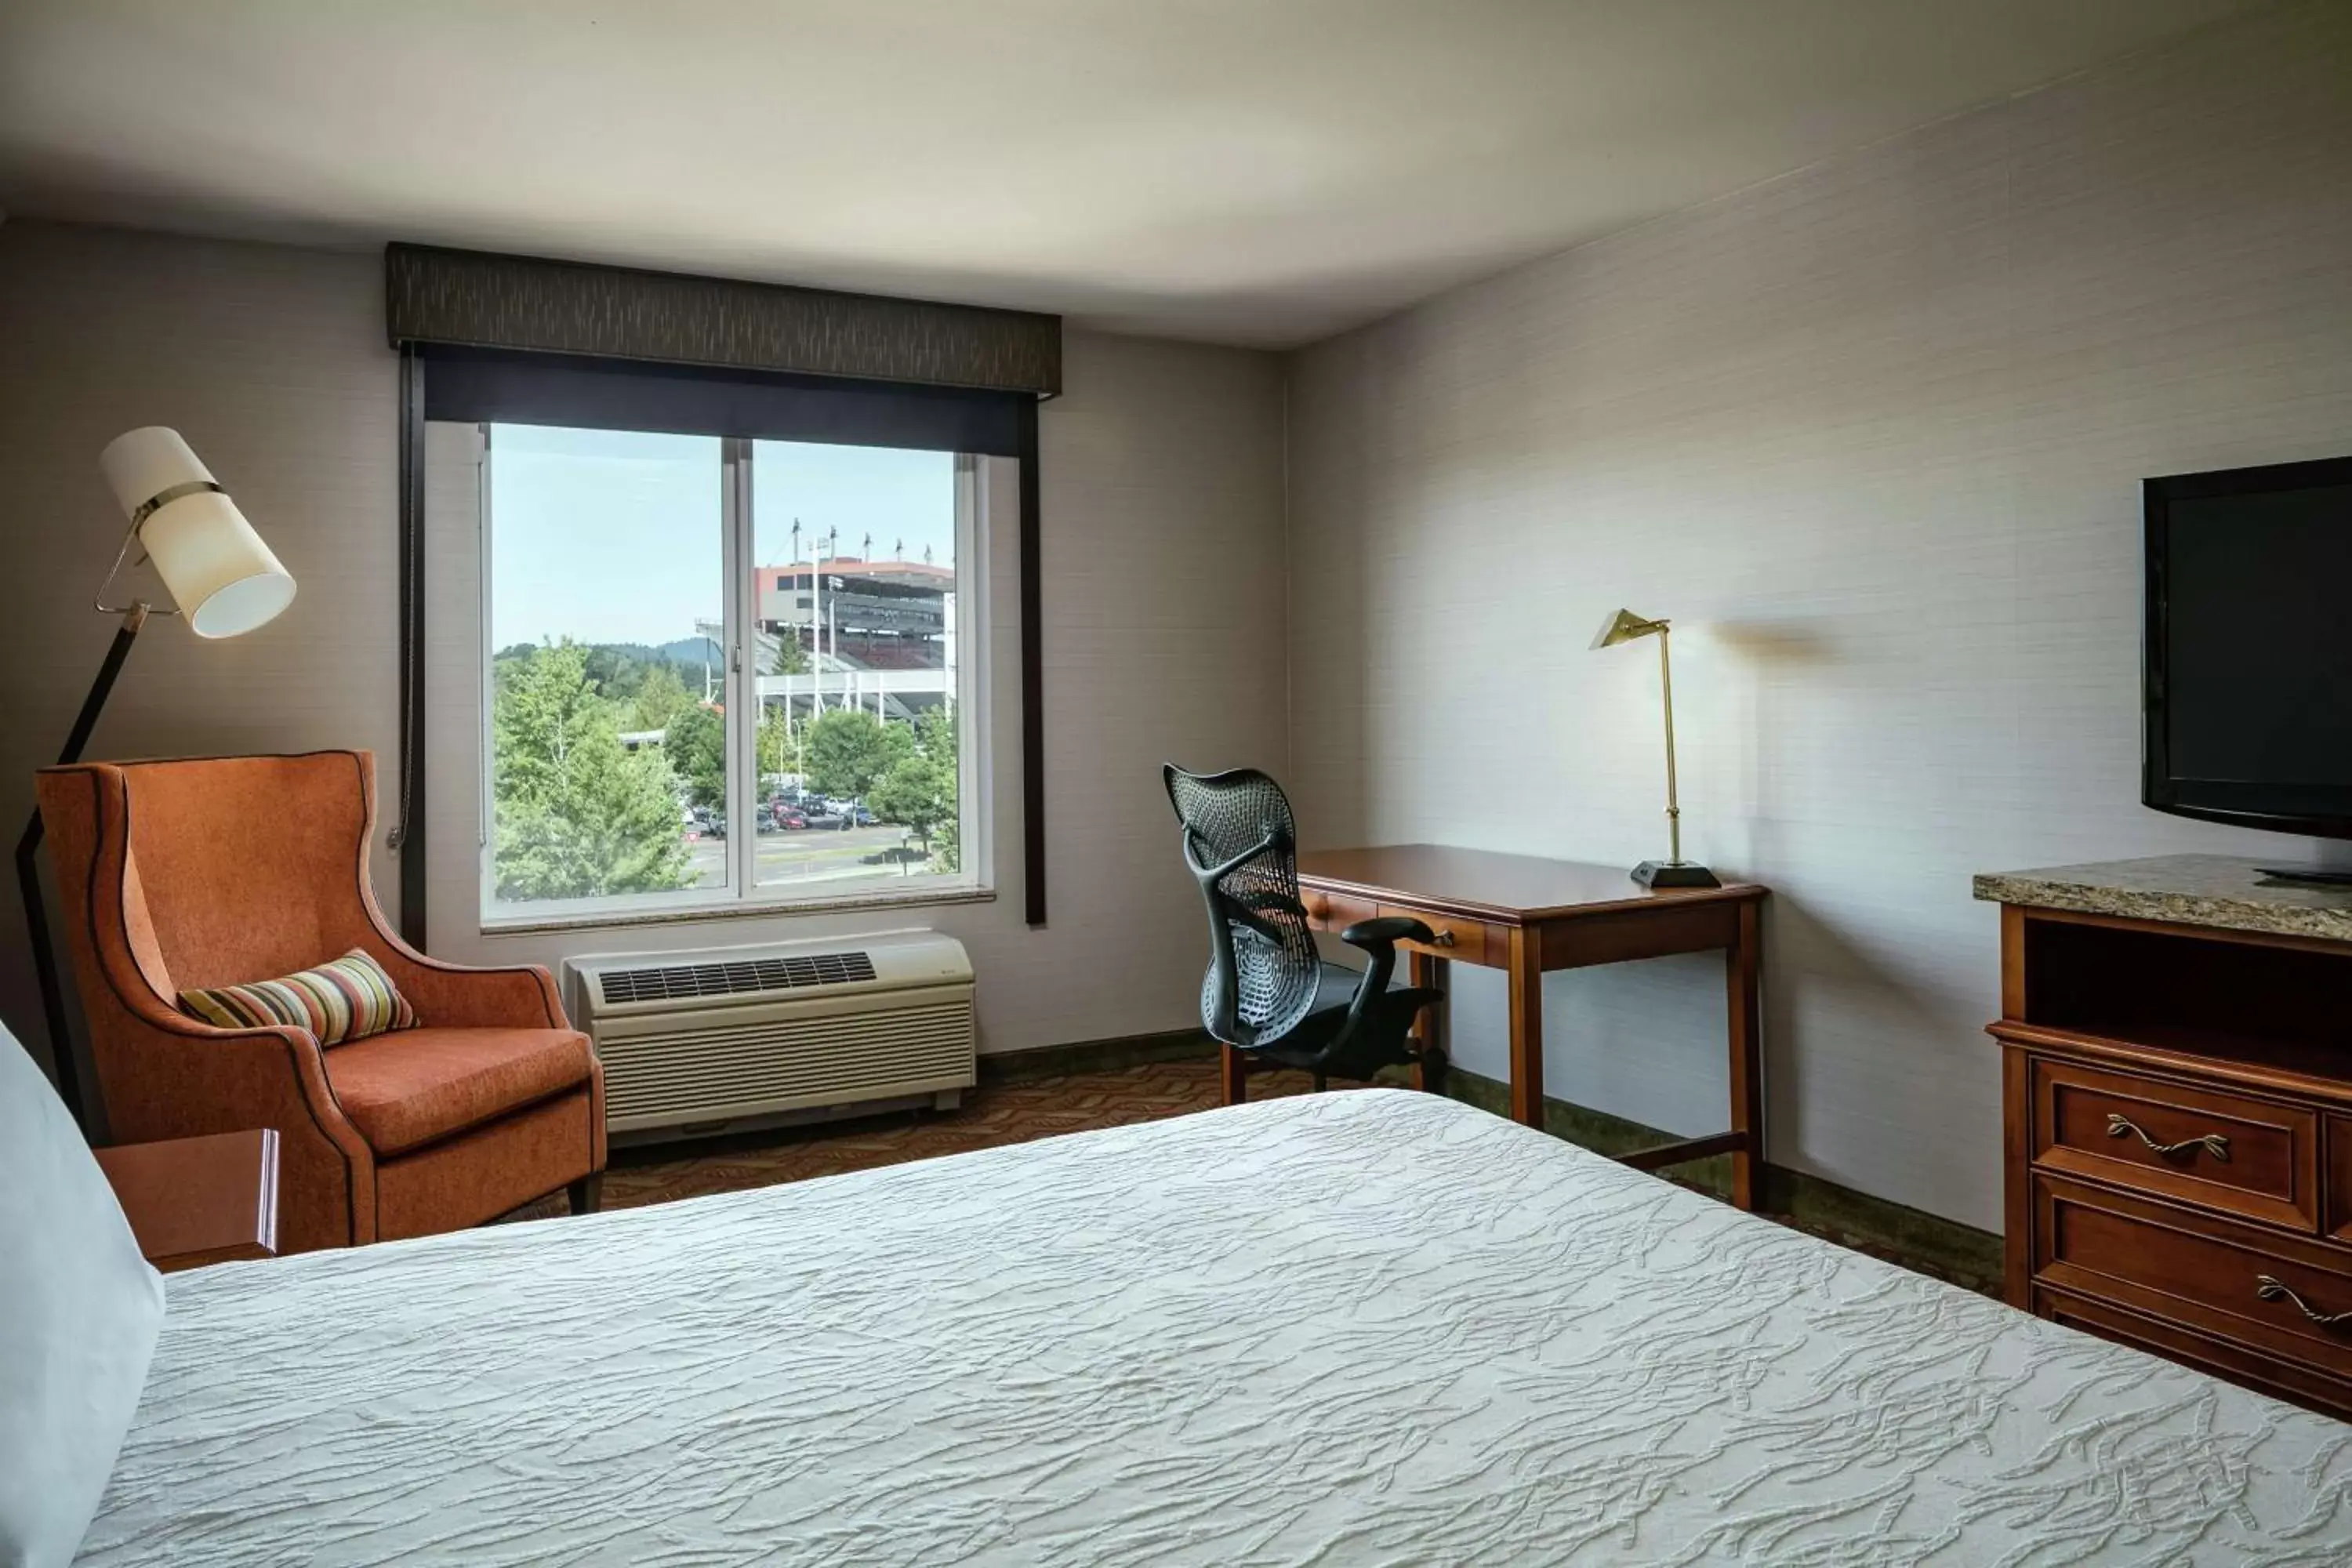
[[1624, 626], [220, 574]]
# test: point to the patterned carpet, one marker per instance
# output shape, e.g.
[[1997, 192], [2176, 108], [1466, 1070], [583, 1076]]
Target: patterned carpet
[[991, 1115]]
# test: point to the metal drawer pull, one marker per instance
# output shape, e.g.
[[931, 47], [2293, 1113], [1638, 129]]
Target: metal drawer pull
[[2270, 1289], [1441, 937], [2213, 1143]]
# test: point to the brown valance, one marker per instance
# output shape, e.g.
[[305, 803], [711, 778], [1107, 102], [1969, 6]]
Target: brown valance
[[479, 299]]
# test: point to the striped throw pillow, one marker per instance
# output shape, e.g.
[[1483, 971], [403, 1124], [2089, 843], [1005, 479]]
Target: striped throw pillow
[[349, 999]]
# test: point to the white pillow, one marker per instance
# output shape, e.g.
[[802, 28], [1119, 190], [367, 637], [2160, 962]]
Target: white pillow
[[79, 1313]]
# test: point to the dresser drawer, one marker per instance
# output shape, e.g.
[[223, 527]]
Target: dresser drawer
[[1465, 940], [2296, 1382], [2235, 1156], [2339, 1177], [2248, 1286]]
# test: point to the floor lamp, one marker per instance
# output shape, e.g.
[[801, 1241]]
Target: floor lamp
[[220, 575]]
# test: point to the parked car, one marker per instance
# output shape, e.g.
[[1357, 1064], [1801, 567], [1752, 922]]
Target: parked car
[[835, 811]]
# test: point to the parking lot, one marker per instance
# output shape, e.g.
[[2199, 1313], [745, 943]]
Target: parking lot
[[814, 853]]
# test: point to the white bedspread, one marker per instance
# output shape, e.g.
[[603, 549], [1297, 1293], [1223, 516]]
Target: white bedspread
[[1360, 1328]]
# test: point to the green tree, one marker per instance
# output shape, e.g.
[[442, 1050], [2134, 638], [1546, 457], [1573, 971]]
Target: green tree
[[919, 790], [847, 748], [790, 657], [780, 749], [660, 698], [695, 743], [576, 814], [619, 669], [917, 794], [935, 735]]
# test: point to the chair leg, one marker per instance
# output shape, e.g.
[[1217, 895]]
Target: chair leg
[[587, 1193], [1429, 1030], [1232, 1074]]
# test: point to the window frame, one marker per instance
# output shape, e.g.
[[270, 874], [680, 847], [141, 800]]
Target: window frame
[[743, 894]]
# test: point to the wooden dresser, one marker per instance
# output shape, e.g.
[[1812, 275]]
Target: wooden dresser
[[2177, 1054]]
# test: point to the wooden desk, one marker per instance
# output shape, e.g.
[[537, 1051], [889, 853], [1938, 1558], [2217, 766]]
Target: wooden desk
[[194, 1201], [1525, 916]]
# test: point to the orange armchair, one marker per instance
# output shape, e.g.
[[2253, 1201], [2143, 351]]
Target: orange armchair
[[217, 872]]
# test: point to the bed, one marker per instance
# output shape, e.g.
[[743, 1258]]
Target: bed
[[1372, 1327]]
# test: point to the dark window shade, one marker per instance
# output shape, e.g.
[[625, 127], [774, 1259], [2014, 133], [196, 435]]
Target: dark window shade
[[480, 299], [476, 387]]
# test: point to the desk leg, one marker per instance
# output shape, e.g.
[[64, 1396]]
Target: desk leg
[[1232, 1074], [1741, 961], [1527, 1026], [1428, 969]]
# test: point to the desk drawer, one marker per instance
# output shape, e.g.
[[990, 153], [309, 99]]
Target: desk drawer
[[2252, 1286], [1327, 911], [1465, 940], [2223, 1152]]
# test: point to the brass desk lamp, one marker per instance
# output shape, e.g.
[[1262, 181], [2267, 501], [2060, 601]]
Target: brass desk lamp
[[1674, 871]]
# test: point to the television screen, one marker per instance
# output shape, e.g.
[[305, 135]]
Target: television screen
[[2249, 647]]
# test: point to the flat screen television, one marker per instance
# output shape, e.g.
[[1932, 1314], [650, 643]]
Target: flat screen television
[[2247, 658]]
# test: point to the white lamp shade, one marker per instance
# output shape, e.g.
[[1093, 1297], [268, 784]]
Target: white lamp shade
[[220, 574]]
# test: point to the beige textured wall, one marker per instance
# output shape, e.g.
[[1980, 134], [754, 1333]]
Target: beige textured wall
[[1163, 541], [1871, 434]]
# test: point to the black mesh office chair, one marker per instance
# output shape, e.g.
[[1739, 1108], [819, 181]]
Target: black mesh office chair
[[1268, 992]]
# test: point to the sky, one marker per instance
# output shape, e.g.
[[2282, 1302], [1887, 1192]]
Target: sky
[[614, 536]]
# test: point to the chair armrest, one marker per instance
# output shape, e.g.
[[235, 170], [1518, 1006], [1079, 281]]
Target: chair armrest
[[459, 996], [189, 1078], [171, 1077], [1386, 931], [1378, 938]]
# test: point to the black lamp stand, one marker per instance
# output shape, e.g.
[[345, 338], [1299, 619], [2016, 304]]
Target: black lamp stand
[[29, 869]]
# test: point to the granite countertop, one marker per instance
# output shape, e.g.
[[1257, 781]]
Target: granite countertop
[[2184, 889]]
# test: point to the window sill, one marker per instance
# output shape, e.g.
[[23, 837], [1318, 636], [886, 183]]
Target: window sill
[[738, 910]]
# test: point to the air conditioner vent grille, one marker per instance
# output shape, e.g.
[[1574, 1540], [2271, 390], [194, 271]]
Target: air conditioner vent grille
[[679, 981]]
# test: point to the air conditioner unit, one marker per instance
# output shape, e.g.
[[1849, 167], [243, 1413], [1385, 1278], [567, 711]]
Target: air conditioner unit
[[729, 1038]]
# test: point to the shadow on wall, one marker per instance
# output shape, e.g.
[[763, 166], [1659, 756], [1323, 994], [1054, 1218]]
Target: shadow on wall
[[1757, 662], [1771, 674], [1773, 643]]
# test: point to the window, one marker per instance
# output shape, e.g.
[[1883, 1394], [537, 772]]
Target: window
[[725, 672]]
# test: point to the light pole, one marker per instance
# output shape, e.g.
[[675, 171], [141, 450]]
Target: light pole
[[816, 620]]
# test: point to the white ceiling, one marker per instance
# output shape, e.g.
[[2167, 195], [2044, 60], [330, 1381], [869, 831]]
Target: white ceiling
[[1262, 172]]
